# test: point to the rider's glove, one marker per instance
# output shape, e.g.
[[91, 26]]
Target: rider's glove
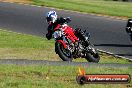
[[128, 29], [68, 19]]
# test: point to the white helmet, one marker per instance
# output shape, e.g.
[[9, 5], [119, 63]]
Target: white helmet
[[51, 16]]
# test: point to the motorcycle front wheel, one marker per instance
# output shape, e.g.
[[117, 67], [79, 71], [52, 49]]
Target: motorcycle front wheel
[[63, 53]]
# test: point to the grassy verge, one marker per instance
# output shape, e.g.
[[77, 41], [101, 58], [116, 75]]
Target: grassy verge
[[21, 46], [111, 8], [102, 7], [15, 76]]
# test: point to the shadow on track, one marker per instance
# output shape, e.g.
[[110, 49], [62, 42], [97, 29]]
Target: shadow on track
[[124, 54], [114, 45]]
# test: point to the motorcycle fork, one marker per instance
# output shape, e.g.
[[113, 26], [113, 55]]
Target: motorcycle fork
[[69, 43]]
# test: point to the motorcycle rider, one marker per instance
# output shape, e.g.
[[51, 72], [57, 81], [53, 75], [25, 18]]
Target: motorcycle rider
[[53, 21]]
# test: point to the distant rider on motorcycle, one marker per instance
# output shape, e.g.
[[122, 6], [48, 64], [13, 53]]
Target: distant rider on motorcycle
[[129, 28]]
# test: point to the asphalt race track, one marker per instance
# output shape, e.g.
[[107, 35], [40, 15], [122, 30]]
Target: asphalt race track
[[60, 63], [107, 34]]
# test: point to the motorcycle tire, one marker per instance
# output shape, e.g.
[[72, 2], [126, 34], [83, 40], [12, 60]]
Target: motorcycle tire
[[92, 57], [60, 51]]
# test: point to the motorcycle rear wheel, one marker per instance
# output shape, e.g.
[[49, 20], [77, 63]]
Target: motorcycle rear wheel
[[92, 57], [63, 53]]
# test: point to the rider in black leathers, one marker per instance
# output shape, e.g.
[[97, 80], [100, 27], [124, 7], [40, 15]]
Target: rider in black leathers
[[53, 21], [52, 26]]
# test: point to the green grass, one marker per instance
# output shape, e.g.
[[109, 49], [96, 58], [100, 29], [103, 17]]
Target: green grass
[[111, 8], [22, 46], [17, 40], [40, 76]]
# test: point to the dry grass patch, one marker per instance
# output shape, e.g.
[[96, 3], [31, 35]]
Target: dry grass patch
[[28, 53], [21, 1]]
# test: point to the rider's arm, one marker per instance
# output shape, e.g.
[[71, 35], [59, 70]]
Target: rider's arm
[[50, 31], [62, 20]]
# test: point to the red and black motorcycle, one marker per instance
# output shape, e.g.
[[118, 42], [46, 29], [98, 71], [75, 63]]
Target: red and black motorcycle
[[74, 44]]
